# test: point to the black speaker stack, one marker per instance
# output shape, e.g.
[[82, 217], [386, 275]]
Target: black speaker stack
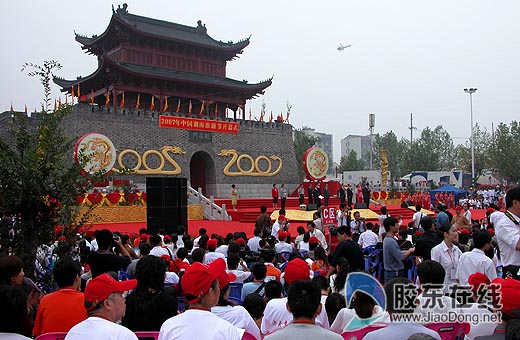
[[167, 204]]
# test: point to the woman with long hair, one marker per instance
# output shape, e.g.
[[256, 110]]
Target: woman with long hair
[[236, 315], [321, 262], [338, 280], [150, 304]]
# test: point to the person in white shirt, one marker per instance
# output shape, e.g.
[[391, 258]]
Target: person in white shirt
[[476, 260], [233, 261], [342, 216], [202, 231], [381, 219], [417, 216], [507, 232], [254, 242], [277, 226], [301, 231], [368, 238], [467, 213], [311, 227], [201, 287], [105, 304], [282, 246], [157, 248], [212, 255], [398, 330], [448, 255], [276, 315]]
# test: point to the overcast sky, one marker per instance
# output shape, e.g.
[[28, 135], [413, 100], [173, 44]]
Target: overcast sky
[[406, 56]]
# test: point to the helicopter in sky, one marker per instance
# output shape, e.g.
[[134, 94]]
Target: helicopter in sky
[[341, 47]]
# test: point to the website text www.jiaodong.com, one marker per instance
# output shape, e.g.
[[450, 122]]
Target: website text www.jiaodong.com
[[449, 317]]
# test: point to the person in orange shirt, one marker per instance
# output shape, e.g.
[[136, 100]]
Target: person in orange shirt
[[63, 309], [269, 257]]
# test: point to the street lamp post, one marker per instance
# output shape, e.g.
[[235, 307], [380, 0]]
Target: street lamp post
[[371, 125], [471, 91]]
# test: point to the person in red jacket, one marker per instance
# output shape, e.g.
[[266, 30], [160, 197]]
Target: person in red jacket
[[275, 195]]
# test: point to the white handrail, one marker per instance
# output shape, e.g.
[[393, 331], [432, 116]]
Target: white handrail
[[211, 210]]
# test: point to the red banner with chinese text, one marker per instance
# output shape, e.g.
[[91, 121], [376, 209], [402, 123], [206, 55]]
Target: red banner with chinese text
[[197, 124]]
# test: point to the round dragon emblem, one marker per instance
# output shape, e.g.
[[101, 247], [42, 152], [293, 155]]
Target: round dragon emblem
[[315, 163], [95, 152]]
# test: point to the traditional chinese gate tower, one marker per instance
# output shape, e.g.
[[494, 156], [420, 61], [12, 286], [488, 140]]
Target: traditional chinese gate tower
[[143, 58], [151, 71]]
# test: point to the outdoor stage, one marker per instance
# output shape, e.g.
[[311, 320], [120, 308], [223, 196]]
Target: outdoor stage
[[224, 227]]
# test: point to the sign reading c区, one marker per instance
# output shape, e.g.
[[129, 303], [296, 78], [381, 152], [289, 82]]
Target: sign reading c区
[[328, 215], [197, 124]]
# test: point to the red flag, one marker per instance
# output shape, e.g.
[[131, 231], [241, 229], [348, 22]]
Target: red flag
[[271, 117], [72, 92], [262, 114], [55, 105], [178, 106], [138, 103], [201, 109], [59, 103], [91, 97], [122, 103], [189, 108], [152, 105], [287, 117], [107, 98], [165, 108], [216, 109], [79, 92]]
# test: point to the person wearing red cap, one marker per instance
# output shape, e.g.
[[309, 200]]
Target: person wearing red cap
[[105, 304], [476, 260], [201, 287], [282, 245], [276, 315], [311, 227], [211, 255], [507, 231], [479, 282], [236, 315]]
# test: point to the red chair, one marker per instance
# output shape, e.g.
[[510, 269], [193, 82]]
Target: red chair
[[450, 330], [358, 334], [147, 335], [52, 336]]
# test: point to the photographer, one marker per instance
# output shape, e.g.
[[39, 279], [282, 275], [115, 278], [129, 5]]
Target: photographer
[[104, 260], [357, 226]]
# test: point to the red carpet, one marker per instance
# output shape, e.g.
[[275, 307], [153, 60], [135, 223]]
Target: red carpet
[[224, 227], [217, 227]]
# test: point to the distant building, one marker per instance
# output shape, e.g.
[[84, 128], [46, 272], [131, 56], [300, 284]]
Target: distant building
[[324, 142], [360, 144]]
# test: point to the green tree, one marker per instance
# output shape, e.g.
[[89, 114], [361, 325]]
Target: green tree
[[395, 150], [351, 162], [39, 182], [504, 150], [302, 142], [432, 151]]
